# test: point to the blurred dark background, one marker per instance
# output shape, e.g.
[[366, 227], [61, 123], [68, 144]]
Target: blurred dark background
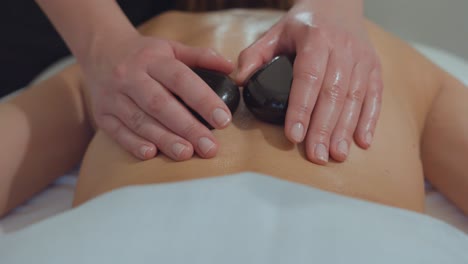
[[29, 43]]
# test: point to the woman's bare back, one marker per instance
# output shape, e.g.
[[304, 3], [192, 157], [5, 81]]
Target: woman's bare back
[[390, 172]]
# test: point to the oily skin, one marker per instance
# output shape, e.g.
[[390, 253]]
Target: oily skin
[[337, 88], [133, 78], [423, 125], [382, 174], [389, 173], [133, 110]]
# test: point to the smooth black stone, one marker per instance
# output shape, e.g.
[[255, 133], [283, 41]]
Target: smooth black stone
[[223, 86], [266, 92]]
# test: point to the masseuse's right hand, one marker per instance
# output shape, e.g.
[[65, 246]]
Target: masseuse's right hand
[[133, 83]]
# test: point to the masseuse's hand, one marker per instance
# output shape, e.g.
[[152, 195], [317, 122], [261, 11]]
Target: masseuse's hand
[[132, 80], [132, 85], [337, 87]]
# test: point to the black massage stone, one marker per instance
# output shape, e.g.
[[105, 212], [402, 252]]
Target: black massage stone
[[266, 92], [223, 86]]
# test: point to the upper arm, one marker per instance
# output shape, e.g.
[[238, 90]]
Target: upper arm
[[44, 133], [444, 146]]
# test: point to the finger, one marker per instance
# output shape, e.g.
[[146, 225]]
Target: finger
[[344, 130], [159, 103], [371, 110], [329, 106], [132, 143], [259, 53], [148, 128], [202, 58], [183, 82], [308, 73]]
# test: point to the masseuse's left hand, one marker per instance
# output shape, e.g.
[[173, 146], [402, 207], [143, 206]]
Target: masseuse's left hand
[[337, 87]]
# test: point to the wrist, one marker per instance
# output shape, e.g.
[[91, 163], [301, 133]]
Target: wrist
[[104, 36], [88, 26], [105, 43]]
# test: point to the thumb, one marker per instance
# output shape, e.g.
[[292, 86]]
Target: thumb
[[260, 52], [202, 57]]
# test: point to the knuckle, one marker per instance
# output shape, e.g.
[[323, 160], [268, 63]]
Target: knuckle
[[190, 130], [311, 75], [203, 101], [344, 130], [145, 53], [334, 92], [351, 47], [159, 139], [369, 54], [347, 41], [356, 95], [316, 41], [373, 61], [322, 131], [302, 110], [137, 120], [120, 72], [181, 77], [357, 55], [157, 103]]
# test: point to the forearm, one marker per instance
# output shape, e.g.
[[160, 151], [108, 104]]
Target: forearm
[[87, 25]]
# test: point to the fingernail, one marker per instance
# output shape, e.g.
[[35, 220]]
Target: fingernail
[[343, 147], [205, 145], [144, 151], [178, 148], [369, 138], [321, 152], [297, 132], [220, 117]]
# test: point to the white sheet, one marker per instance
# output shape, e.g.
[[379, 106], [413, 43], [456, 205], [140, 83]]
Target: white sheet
[[243, 218], [58, 197]]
